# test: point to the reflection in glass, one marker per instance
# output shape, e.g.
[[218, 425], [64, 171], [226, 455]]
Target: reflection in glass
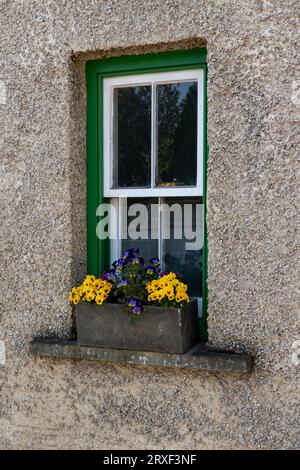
[[148, 241], [177, 134], [132, 137], [186, 263]]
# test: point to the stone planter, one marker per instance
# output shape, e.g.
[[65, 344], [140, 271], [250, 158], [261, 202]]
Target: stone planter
[[161, 330]]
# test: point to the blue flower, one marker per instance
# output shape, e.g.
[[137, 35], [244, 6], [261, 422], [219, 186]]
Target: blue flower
[[134, 303], [110, 276], [131, 303], [154, 262], [137, 260], [122, 283], [137, 310]]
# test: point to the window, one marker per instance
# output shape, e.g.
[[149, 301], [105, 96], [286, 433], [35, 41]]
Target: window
[[146, 140], [153, 141]]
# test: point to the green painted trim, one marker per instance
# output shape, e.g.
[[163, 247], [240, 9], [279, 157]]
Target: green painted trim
[[103, 245], [97, 250], [92, 172], [147, 62], [203, 320]]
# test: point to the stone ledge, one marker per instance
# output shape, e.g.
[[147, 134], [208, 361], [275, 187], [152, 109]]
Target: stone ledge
[[196, 358]]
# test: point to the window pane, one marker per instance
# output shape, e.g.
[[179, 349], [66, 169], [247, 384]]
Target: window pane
[[175, 255], [178, 227], [177, 134], [132, 137], [141, 221]]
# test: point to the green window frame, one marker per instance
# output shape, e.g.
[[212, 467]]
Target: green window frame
[[98, 258]]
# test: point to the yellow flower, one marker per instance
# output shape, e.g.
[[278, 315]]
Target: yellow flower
[[97, 284], [90, 296], [169, 290], [180, 296], [99, 299], [76, 299], [88, 290], [150, 287], [154, 296], [74, 296], [163, 282], [160, 295], [182, 286], [172, 275], [81, 290], [87, 282]]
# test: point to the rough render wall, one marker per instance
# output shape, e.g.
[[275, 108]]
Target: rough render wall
[[253, 114]]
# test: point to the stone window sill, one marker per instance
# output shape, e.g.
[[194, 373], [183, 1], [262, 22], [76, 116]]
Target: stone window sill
[[198, 358]]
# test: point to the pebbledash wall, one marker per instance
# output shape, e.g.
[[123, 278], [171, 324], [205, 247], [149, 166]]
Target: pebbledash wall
[[253, 116]]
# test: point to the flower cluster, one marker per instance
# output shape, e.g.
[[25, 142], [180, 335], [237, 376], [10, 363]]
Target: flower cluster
[[167, 290], [133, 284], [129, 260], [91, 290], [135, 308], [129, 275]]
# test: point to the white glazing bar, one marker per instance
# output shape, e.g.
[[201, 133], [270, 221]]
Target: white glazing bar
[[200, 130], [153, 133], [114, 221], [123, 223], [114, 176], [159, 230]]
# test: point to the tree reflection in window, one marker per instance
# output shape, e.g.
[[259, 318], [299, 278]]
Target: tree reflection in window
[[177, 134]]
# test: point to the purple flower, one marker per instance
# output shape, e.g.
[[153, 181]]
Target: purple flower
[[154, 266], [133, 303], [122, 283], [154, 262], [137, 260], [131, 253], [135, 306], [137, 310], [109, 276], [164, 273]]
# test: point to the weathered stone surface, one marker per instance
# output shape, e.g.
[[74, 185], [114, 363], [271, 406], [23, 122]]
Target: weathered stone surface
[[253, 133], [160, 330], [196, 358]]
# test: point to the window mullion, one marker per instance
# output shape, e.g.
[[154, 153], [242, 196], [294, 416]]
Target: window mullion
[[153, 135], [159, 229]]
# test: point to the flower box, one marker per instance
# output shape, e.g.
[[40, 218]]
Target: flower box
[[168, 330]]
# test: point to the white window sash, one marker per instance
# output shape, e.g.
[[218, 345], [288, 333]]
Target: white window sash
[[120, 206], [152, 79]]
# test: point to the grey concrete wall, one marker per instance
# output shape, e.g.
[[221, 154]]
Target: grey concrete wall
[[253, 115]]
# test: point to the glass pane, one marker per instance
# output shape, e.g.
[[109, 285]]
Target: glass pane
[[176, 134], [132, 137], [183, 259], [142, 227]]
